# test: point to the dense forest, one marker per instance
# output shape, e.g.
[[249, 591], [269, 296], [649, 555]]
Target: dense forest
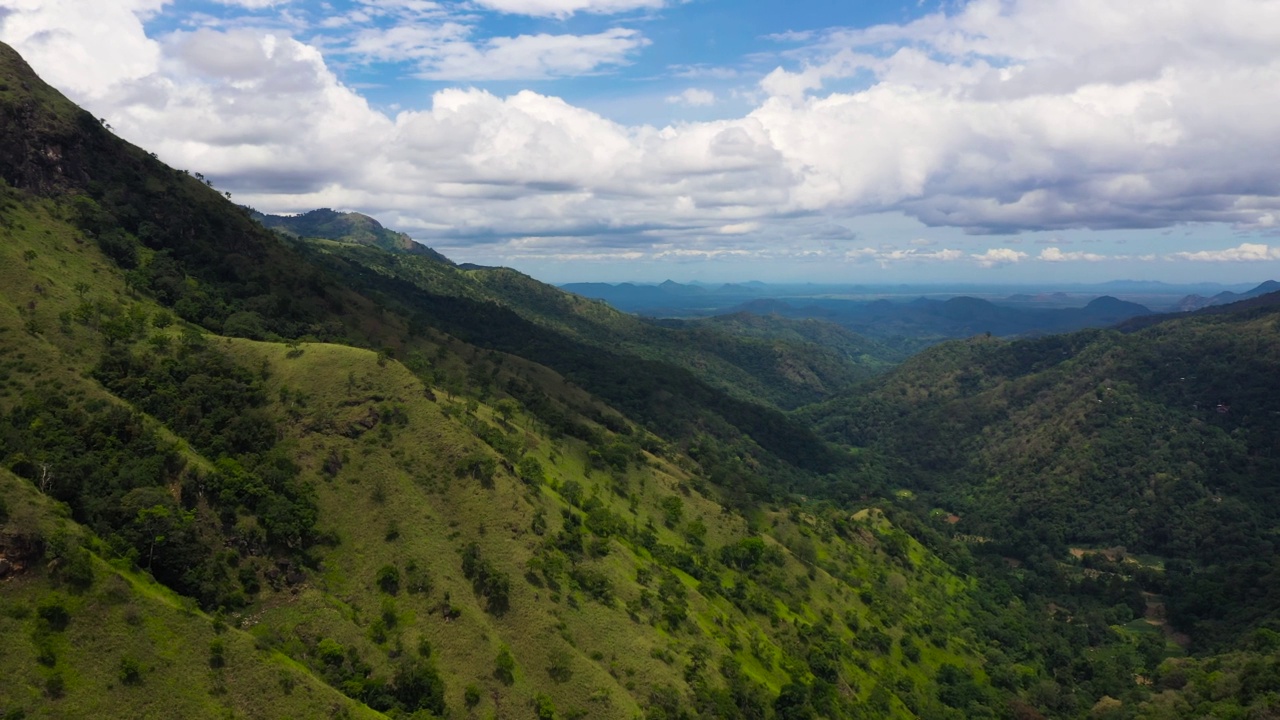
[[257, 468]]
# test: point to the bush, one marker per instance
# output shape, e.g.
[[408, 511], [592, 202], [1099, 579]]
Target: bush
[[417, 686], [530, 471], [505, 667], [55, 686], [217, 654], [389, 579], [130, 671], [543, 707], [486, 580], [54, 614]]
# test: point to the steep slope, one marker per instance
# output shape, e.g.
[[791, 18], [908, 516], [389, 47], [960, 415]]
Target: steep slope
[[89, 638], [784, 369], [675, 402], [435, 552], [405, 534]]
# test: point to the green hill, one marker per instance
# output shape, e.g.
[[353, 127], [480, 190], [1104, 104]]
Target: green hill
[[1148, 457], [347, 227], [253, 474], [239, 483]]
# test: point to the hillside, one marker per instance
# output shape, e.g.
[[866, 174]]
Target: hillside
[[430, 528], [253, 474], [347, 227], [411, 548], [1160, 441]]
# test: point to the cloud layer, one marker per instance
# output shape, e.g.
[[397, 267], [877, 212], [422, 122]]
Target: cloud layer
[[1002, 117]]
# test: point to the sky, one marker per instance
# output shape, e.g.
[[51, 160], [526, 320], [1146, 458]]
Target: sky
[[1016, 141]]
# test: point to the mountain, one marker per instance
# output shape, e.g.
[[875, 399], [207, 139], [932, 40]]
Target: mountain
[[348, 227], [246, 473], [1196, 302], [243, 474], [923, 321], [1158, 441]]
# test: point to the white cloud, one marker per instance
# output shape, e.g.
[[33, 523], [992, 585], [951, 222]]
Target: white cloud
[[253, 4], [564, 8], [1053, 254], [694, 97], [887, 254], [444, 52], [67, 40], [739, 228], [1003, 116], [1245, 252], [996, 257]]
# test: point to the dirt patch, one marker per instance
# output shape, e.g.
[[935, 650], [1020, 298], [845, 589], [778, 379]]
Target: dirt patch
[[19, 552]]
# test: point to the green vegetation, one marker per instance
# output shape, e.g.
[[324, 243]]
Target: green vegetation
[[246, 474]]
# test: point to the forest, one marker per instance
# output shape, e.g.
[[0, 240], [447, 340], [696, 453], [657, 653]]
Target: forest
[[254, 469]]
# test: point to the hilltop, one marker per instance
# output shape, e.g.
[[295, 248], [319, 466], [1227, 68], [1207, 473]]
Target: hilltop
[[347, 227]]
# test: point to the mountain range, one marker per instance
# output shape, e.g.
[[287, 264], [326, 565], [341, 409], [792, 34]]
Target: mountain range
[[257, 466]]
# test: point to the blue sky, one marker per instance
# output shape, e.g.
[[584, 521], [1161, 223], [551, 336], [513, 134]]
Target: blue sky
[[965, 140], [720, 46]]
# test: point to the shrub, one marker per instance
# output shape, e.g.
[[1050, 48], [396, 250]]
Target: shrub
[[389, 579], [217, 654], [505, 667], [54, 614], [130, 671]]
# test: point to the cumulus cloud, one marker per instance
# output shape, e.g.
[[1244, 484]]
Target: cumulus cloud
[[66, 40], [445, 52], [887, 255], [564, 8], [739, 228], [1053, 254], [694, 97], [998, 117], [997, 257], [1245, 252]]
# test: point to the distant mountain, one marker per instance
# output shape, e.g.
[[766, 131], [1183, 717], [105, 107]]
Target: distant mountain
[[669, 297], [1195, 302], [351, 227], [925, 319]]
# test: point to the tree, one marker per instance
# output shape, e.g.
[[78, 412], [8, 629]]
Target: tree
[[417, 686], [530, 470]]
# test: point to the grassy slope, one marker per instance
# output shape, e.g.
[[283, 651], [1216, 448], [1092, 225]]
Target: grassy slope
[[402, 476], [126, 617], [401, 479]]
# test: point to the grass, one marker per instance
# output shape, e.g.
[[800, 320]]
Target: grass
[[383, 457], [124, 617]]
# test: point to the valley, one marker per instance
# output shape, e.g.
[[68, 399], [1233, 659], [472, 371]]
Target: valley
[[260, 467]]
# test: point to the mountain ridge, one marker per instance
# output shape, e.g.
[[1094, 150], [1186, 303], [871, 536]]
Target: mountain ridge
[[246, 473], [351, 227]]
